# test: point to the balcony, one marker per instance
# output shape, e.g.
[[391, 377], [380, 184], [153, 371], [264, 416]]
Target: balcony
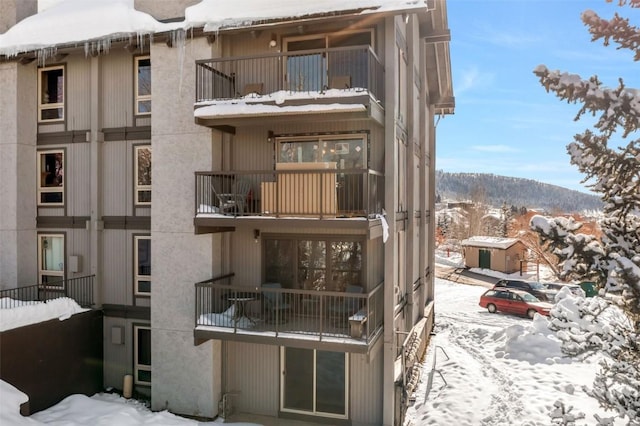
[[79, 289], [288, 317], [317, 192], [282, 85]]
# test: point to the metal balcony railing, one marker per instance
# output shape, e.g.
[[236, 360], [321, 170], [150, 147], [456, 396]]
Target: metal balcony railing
[[299, 193], [347, 68], [278, 311], [79, 289]]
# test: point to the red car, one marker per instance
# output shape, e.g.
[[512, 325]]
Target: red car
[[514, 302]]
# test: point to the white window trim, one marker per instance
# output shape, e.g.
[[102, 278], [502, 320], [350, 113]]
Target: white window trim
[[140, 98], [136, 365], [41, 271], [44, 107], [139, 188], [50, 189], [136, 276]]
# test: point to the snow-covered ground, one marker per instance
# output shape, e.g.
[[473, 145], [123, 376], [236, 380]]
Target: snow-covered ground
[[480, 369]]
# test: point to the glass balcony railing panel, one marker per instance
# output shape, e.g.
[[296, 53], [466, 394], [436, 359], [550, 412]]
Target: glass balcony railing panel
[[298, 193], [356, 69]]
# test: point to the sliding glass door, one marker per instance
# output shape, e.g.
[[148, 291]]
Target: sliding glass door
[[314, 382]]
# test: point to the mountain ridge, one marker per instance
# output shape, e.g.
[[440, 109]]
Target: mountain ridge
[[520, 192]]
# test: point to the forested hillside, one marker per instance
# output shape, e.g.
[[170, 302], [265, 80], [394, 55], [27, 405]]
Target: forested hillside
[[496, 190]]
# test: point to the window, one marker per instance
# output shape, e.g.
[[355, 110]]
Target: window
[[51, 94], [314, 382], [142, 354], [51, 260], [143, 85], [320, 264], [142, 264], [348, 152], [143, 175], [51, 177]]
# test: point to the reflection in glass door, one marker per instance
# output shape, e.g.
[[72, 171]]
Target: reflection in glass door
[[306, 71], [314, 382]]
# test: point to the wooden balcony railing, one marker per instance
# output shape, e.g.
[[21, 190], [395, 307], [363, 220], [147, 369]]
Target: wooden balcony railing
[[277, 311], [299, 193], [79, 289], [346, 68]]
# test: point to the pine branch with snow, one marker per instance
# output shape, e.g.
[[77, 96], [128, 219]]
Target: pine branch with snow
[[614, 173]]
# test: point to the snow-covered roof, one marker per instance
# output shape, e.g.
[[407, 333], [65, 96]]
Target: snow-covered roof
[[83, 22], [491, 242], [79, 22], [215, 15]]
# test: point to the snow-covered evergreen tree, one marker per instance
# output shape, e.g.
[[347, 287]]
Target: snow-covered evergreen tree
[[614, 173]]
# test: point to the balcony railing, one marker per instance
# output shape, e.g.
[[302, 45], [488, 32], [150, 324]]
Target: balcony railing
[[351, 68], [298, 193], [79, 289], [313, 314]]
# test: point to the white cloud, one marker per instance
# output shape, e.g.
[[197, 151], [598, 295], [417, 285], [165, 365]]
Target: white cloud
[[471, 78], [493, 148]]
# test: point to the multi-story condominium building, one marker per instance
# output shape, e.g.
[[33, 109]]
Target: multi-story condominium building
[[249, 183]]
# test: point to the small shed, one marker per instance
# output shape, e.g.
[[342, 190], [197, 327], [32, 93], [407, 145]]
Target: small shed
[[507, 255]]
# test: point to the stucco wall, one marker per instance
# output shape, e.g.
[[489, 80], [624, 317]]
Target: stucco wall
[[17, 192], [186, 378]]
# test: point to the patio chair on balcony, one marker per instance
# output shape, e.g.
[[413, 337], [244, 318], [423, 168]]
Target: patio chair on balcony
[[236, 200], [275, 306], [342, 308]]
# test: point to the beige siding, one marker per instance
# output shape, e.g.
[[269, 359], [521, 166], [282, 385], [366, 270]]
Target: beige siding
[[366, 378], [252, 371], [374, 262], [246, 257], [117, 266], [118, 179], [78, 92], [117, 89], [78, 177]]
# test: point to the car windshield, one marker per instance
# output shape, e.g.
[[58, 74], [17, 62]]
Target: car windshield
[[529, 297]]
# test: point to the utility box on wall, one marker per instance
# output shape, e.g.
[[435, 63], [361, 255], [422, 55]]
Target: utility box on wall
[[75, 264]]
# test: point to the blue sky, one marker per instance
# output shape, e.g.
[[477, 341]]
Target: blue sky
[[505, 122]]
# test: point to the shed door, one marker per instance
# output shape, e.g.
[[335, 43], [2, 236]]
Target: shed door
[[484, 259]]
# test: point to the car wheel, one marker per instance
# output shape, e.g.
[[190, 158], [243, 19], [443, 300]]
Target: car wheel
[[531, 313], [491, 308]]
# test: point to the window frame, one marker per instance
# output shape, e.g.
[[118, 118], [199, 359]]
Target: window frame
[[281, 143], [137, 187], [314, 411], [137, 366], [331, 270], [138, 97], [51, 272], [137, 277], [42, 189], [51, 105]]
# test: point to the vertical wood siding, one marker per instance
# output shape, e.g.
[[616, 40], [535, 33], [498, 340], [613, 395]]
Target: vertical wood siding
[[117, 89], [253, 371], [77, 175], [116, 169], [78, 92], [117, 265], [366, 380]]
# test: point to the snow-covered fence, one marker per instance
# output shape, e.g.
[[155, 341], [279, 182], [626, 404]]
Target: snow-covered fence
[[79, 289]]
